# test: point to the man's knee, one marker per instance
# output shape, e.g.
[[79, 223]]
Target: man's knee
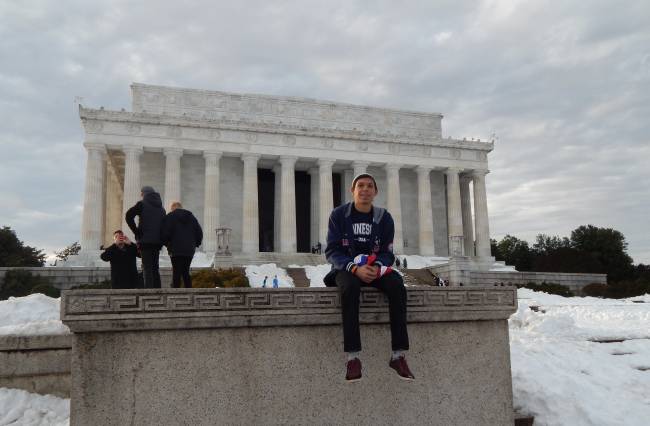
[[348, 283]]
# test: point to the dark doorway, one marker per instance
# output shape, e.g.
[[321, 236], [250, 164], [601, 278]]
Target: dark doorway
[[303, 212], [266, 207], [336, 186]]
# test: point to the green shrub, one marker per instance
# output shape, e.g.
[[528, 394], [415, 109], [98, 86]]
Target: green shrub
[[211, 278], [550, 288], [240, 281], [20, 283], [100, 285], [624, 289], [595, 290]]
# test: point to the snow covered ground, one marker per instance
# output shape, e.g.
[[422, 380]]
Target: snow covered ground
[[18, 407], [35, 314], [578, 361]]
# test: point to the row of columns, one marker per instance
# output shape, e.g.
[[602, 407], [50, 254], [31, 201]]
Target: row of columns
[[460, 229]]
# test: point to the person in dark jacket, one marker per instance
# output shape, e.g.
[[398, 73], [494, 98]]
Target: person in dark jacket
[[356, 229], [181, 234], [122, 255], [147, 233]]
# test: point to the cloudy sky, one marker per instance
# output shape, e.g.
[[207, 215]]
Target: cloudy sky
[[564, 85]]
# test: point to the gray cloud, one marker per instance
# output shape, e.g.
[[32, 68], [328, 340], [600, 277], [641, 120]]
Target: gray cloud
[[565, 87]]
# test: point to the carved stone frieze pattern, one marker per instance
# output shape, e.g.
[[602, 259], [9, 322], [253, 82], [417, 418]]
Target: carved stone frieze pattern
[[174, 131], [289, 140], [133, 128], [220, 300], [93, 125], [229, 123], [304, 112]]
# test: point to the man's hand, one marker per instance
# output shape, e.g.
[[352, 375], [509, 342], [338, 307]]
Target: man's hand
[[126, 240], [366, 273]]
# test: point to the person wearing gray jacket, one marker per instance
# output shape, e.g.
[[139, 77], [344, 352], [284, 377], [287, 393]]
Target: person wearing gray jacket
[[151, 214]]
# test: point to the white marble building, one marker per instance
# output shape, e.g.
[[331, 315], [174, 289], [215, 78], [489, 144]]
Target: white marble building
[[272, 168]]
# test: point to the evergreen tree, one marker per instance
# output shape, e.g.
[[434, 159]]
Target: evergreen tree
[[606, 245], [70, 250], [14, 253]]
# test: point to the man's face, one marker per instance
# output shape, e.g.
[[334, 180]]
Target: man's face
[[118, 238], [364, 191]]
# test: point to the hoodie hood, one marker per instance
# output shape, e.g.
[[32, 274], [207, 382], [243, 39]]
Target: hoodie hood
[[183, 216], [153, 199]]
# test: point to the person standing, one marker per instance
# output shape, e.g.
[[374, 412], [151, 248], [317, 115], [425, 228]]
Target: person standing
[[266, 277], [122, 256], [182, 234], [151, 214], [275, 282], [359, 228]]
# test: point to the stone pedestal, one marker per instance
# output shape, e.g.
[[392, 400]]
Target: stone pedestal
[[274, 356]]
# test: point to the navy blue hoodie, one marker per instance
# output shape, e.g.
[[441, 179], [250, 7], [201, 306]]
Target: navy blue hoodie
[[341, 250]]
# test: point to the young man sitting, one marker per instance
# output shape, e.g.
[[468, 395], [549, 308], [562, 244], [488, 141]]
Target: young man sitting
[[360, 249]]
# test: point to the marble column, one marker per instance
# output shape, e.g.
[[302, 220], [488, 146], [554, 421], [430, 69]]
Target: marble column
[[288, 205], [466, 207], [172, 176], [113, 204], [93, 213], [394, 204], [250, 218], [326, 198], [314, 206], [359, 167], [348, 175], [454, 214], [131, 193], [211, 201], [481, 215], [277, 220], [425, 211]]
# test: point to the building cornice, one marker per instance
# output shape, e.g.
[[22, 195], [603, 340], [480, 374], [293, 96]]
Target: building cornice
[[138, 118]]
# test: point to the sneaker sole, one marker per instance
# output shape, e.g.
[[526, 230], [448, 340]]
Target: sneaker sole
[[353, 380]]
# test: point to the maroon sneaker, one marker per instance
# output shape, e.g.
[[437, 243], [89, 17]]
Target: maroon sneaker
[[402, 368], [354, 370]]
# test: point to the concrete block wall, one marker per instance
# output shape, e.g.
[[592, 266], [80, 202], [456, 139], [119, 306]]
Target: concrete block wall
[[37, 364], [574, 281]]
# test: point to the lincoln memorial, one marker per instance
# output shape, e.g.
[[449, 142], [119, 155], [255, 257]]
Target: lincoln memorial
[[271, 168]]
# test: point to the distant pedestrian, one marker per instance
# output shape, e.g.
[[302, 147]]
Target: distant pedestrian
[[405, 264], [264, 282], [151, 214], [182, 234], [275, 282], [397, 262], [122, 255]]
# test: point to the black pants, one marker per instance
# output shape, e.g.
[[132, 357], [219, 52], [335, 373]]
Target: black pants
[[150, 255], [393, 287], [181, 268]]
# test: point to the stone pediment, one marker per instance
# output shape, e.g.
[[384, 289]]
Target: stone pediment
[[308, 114]]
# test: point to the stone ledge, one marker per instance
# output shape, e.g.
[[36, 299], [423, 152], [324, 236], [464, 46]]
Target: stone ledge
[[35, 343], [168, 309]]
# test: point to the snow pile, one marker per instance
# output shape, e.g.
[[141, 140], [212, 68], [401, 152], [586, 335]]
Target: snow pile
[[18, 407], [562, 375], [201, 260], [419, 262], [35, 314], [256, 274]]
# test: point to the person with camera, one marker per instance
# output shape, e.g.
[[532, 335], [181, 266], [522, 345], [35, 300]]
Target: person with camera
[[122, 256]]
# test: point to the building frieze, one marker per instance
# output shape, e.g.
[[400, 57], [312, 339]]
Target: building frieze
[[95, 121]]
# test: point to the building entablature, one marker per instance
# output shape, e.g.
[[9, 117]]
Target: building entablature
[[94, 120]]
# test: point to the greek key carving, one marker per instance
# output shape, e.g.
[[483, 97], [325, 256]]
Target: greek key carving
[[285, 299]]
